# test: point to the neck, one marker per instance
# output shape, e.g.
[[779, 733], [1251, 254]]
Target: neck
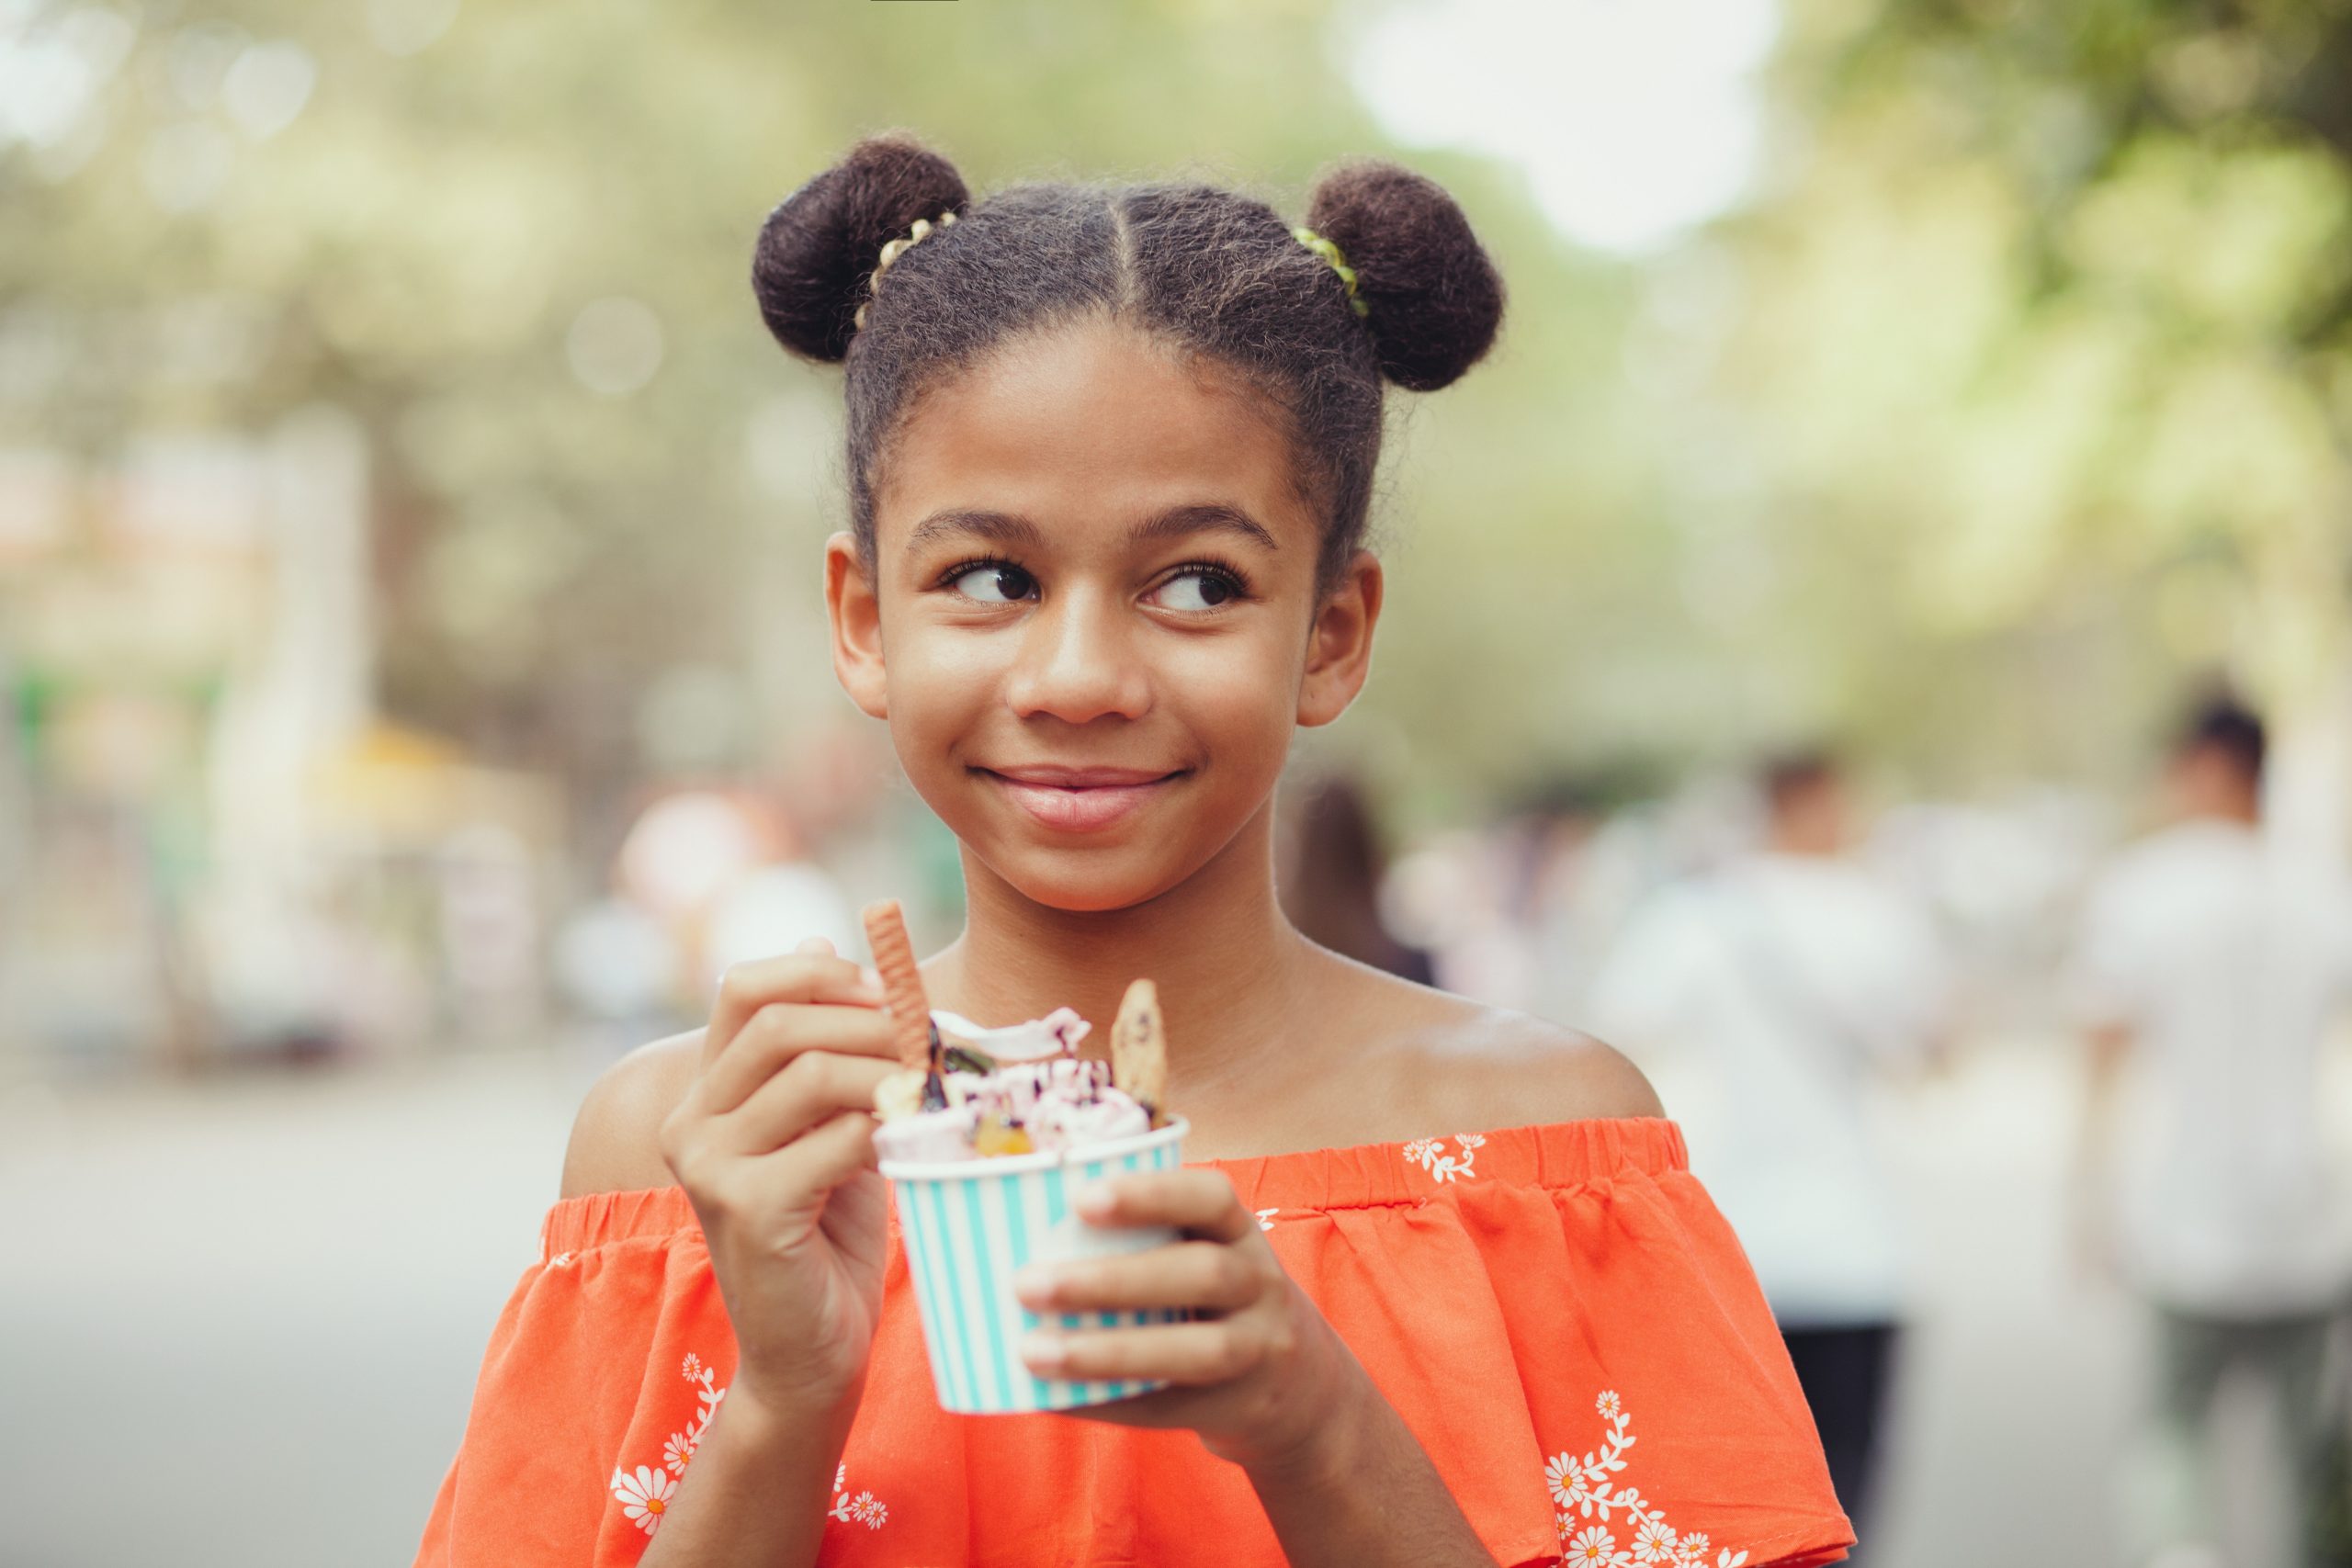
[[1217, 946]]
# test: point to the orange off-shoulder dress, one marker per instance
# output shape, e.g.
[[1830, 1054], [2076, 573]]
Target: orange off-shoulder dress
[[1558, 1313]]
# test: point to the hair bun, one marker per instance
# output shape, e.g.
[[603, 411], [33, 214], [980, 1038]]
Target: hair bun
[[1432, 296], [817, 250]]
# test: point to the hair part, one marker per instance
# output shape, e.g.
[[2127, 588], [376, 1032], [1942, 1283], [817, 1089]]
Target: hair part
[[1206, 271]]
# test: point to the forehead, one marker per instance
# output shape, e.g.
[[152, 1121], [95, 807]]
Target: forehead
[[1091, 424]]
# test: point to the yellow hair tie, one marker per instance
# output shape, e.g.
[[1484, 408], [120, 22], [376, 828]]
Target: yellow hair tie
[[924, 229], [1331, 252]]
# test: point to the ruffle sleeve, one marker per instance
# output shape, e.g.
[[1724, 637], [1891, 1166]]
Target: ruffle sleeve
[[1558, 1313], [609, 1359]]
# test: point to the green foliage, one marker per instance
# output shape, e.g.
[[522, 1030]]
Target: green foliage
[[2017, 397], [2046, 325], [419, 243]]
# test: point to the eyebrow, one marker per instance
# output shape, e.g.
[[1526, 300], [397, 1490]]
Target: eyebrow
[[1011, 529]]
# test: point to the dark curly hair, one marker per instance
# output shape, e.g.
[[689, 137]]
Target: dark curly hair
[[1215, 272]]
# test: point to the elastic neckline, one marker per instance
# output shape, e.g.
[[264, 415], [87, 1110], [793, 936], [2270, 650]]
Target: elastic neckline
[[1561, 1154]]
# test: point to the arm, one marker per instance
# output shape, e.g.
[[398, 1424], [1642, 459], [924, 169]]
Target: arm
[[756, 1494], [2109, 1047], [762, 1120], [1366, 1494], [2105, 995]]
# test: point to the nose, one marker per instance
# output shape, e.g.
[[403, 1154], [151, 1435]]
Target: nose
[[1078, 662]]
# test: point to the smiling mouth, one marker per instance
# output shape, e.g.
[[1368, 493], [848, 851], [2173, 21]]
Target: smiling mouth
[[1081, 800]]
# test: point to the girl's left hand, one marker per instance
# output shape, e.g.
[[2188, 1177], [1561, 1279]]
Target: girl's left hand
[[1257, 1372]]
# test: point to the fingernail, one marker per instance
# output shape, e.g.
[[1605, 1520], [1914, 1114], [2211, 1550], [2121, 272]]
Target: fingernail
[[1044, 1351], [870, 978], [1034, 1284], [1094, 1202]]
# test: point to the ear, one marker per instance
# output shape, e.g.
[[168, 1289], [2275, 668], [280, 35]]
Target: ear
[[855, 612], [1339, 645]]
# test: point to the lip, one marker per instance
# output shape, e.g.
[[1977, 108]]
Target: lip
[[1081, 800]]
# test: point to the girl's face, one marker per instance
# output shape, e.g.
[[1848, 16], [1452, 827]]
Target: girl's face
[[1093, 619]]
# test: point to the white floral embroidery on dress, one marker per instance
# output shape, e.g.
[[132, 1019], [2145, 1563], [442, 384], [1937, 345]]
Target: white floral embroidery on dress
[[644, 1495], [1595, 1548], [1582, 1489], [1431, 1155], [862, 1509]]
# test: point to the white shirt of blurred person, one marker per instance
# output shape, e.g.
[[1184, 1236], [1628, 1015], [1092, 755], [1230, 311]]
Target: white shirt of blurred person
[[723, 873], [2211, 963], [775, 908], [1769, 993], [1765, 996]]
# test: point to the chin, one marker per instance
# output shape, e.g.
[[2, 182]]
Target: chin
[[1090, 880]]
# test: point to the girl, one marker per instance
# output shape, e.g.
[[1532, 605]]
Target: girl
[[1110, 453]]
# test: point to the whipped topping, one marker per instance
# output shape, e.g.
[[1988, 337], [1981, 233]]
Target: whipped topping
[[1056, 1035], [1040, 1097]]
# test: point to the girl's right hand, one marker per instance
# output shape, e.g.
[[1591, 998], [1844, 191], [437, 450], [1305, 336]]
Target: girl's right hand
[[774, 1143]]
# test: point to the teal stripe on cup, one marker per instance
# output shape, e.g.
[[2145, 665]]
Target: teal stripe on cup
[[1016, 1197], [922, 1235], [1000, 1259], [978, 1303], [1093, 1173], [928, 1263], [1069, 1394], [963, 1246], [944, 1272]]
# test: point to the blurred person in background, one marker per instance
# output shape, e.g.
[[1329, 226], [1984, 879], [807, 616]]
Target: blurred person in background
[[1586, 868], [2212, 961], [704, 880], [1331, 885], [776, 904], [1781, 984]]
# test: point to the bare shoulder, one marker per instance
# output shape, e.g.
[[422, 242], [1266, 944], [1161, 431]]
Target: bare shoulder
[[617, 1138], [1464, 1063], [1591, 1080]]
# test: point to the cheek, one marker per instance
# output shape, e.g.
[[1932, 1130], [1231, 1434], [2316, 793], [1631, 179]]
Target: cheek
[[942, 685], [1228, 705], [1240, 698]]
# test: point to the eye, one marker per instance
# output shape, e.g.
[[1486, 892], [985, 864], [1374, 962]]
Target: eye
[[1199, 587], [993, 582]]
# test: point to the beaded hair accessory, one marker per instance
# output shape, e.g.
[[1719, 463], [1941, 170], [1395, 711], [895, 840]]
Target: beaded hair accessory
[[924, 229], [1331, 252]]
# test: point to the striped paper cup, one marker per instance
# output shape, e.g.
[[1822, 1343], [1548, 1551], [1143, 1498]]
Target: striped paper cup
[[968, 1224]]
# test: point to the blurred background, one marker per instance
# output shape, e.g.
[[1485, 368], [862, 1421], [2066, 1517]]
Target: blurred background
[[412, 686]]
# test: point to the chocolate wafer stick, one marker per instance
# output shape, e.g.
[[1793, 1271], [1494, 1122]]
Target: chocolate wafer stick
[[894, 960]]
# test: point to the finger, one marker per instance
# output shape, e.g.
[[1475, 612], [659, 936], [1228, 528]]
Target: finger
[[822, 947], [1200, 1275], [747, 987], [1200, 1203], [813, 1087], [782, 1031], [1184, 1353], [826, 1155]]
